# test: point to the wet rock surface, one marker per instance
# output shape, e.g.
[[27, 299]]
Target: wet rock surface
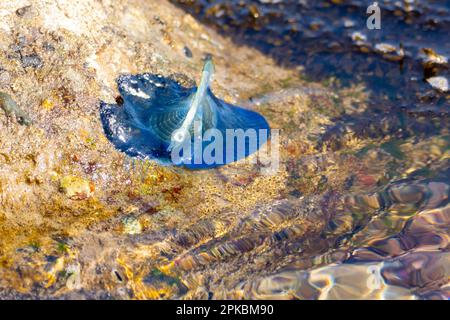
[[357, 209]]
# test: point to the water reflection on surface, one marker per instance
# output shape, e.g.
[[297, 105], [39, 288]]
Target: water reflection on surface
[[382, 229]]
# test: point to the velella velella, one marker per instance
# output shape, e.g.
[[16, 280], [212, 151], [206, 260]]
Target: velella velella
[[159, 119]]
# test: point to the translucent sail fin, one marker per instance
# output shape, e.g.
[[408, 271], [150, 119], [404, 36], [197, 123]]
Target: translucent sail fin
[[180, 135]]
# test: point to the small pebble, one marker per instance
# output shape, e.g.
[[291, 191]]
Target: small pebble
[[187, 52], [430, 56], [32, 60], [385, 48], [5, 78], [48, 46], [23, 11], [358, 37], [439, 83], [10, 107]]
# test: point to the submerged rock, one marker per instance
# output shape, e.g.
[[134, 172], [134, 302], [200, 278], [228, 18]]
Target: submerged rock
[[131, 226], [33, 61]]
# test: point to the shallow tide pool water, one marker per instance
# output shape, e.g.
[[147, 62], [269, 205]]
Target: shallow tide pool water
[[380, 192]]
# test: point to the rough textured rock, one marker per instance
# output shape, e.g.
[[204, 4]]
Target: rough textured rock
[[57, 60]]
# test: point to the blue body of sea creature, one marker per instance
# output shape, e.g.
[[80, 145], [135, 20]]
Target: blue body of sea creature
[[159, 119]]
